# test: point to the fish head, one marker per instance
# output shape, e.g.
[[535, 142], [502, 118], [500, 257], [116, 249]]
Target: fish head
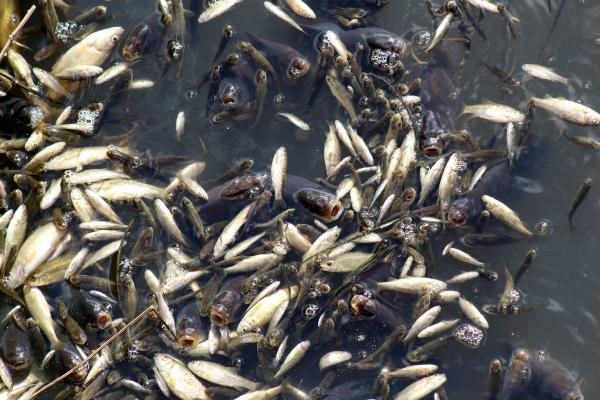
[[432, 145], [136, 43], [247, 187], [108, 38], [298, 68], [461, 211], [364, 306], [230, 96], [219, 314], [68, 358], [320, 203], [19, 359], [189, 338]]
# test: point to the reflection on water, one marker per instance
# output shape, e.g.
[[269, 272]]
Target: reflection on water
[[563, 285]]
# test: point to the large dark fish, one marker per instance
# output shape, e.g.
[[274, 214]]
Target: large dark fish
[[494, 181], [383, 52], [285, 59]]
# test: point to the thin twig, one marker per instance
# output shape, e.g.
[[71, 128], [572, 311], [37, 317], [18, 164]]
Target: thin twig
[[93, 353], [13, 35]]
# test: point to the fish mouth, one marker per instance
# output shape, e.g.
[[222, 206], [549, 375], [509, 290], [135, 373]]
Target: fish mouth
[[298, 69], [188, 340], [219, 316], [103, 320], [19, 365], [432, 150], [228, 100], [432, 147], [456, 217], [334, 211], [362, 306], [79, 375]]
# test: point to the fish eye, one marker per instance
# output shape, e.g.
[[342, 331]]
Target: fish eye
[[114, 39]]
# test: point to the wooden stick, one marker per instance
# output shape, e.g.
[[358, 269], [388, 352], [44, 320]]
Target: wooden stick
[[93, 353], [13, 35]]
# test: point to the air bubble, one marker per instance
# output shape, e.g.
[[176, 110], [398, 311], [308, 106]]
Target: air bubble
[[544, 228]]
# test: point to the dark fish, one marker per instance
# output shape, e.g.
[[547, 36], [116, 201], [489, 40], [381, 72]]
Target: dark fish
[[189, 326], [16, 348], [312, 197], [285, 59], [467, 207], [87, 309], [383, 50], [436, 91], [526, 265], [551, 380], [145, 38], [235, 91], [63, 360], [579, 197], [225, 307]]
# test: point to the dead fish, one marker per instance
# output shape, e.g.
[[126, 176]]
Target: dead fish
[[94, 49], [301, 8], [440, 31], [568, 110], [343, 97], [541, 72], [279, 176], [297, 122], [279, 13], [218, 8], [36, 249], [495, 112], [505, 215]]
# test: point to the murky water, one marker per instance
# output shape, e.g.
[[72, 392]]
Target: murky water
[[564, 284]]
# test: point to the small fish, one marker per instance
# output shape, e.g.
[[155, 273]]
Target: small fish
[[333, 358], [495, 112], [504, 214], [424, 321], [279, 13], [261, 93], [440, 31], [220, 375], [586, 141], [332, 152], [568, 110], [180, 380], [179, 125], [295, 121], [301, 8], [279, 176], [343, 97], [579, 197], [541, 72], [217, 9], [293, 358], [48, 80], [230, 232], [471, 312], [422, 388]]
